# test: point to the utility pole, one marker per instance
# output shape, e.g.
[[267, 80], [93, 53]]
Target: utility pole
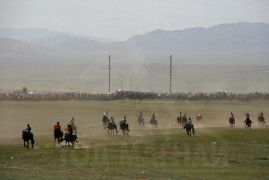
[[170, 74], [109, 67]]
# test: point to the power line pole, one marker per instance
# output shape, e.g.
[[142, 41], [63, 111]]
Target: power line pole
[[170, 74], [109, 67]]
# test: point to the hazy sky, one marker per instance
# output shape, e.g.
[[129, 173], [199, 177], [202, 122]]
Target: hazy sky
[[120, 19]]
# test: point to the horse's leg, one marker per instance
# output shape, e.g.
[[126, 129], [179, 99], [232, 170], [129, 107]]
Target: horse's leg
[[54, 141], [24, 143]]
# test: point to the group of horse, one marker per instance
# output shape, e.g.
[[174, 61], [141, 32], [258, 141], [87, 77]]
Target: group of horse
[[248, 123], [58, 135], [112, 127], [182, 122]]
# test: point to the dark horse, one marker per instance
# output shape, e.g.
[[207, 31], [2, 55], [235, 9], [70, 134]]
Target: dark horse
[[28, 136], [261, 120], [153, 122], [105, 121], [248, 123], [112, 127], [70, 138], [58, 134], [188, 128], [232, 122], [124, 127]]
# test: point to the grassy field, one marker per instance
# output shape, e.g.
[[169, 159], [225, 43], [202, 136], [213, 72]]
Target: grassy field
[[216, 152]]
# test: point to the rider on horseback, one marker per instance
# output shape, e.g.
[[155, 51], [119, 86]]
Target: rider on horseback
[[73, 128], [140, 115], [153, 117], [57, 130], [57, 126], [248, 121], [124, 123], [232, 115], [189, 121], [28, 129]]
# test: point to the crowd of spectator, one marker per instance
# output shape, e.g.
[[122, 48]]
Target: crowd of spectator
[[24, 95]]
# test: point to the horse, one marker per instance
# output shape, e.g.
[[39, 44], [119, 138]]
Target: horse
[[248, 123], [28, 136], [58, 134], [140, 121], [124, 127], [105, 121], [199, 118], [184, 120], [70, 138], [261, 120], [153, 122], [112, 127], [232, 122], [188, 128], [179, 120]]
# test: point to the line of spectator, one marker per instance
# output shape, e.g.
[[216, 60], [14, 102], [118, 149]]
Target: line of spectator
[[24, 95]]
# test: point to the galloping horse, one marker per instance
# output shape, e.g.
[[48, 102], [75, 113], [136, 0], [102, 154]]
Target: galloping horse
[[140, 121], [124, 127], [112, 127], [232, 122], [153, 122], [105, 121], [261, 120], [248, 123], [188, 128], [68, 137], [28, 136], [58, 134], [199, 118], [179, 120], [184, 120]]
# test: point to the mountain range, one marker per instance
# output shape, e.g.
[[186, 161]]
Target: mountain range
[[237, 43]]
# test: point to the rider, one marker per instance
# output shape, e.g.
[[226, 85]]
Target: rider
[[248, 121], [124, 123], [153, 116], [73, 127], [140, 115], [232, 115], [57, 126], [112, 121], [28, 129], [189, 121], [106, 115], [261, 114], [180, 115]]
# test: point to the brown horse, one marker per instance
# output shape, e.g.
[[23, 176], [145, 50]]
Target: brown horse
[[140, 121]]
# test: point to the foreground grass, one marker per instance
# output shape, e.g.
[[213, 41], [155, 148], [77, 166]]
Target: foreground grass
[[215, 153]]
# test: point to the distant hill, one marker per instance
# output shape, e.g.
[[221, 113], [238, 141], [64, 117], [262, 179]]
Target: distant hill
[[237, 43]]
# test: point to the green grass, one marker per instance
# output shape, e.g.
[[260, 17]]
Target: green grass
[[217, 152]]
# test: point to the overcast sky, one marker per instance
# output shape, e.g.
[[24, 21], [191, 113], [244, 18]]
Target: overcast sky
[[121, 19]]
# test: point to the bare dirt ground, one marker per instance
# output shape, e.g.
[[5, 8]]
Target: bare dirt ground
[[14, 116]]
